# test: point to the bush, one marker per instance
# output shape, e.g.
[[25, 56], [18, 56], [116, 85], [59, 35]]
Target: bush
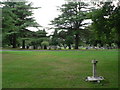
[[45, 44]]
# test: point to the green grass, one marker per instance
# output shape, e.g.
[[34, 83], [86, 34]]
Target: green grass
[[58, 69]]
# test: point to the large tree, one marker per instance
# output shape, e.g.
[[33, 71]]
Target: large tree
[[9, 20], [115, 19], [71, 18], [105, 24], [16, 19]]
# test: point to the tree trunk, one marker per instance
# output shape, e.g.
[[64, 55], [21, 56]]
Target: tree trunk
[[14, 40], [45, 47], [118, 44], [69, 46], [110, 47], [23, 44], [34, 47], [27, 47], [101, 44], [76, 41]]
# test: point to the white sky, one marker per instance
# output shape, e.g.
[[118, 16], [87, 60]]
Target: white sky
[[47, 12]]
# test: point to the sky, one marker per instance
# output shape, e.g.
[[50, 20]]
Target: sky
[[46, 13]]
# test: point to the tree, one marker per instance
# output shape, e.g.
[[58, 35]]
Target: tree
[[105, 20], [19, 16], [115, 19], [9, 29], [45, 44], [38, 37], [55, 38], [66, 38], [71, 19], [24, 12]]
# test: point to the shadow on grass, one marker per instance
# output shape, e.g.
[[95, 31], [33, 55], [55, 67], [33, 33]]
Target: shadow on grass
[[102, 83]]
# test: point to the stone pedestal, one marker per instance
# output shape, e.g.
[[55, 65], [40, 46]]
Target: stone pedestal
[[94, 77]]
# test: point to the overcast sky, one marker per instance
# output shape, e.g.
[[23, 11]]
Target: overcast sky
[[47, 12]]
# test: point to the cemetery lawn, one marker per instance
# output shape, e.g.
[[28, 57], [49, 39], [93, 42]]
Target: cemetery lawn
[[58, 69]]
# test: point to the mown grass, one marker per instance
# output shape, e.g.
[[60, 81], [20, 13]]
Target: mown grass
[[58, 69]]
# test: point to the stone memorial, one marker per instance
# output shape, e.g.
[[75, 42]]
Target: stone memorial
[[94, 77]]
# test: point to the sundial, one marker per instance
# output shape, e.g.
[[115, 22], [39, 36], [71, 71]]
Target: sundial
[[94, 77]]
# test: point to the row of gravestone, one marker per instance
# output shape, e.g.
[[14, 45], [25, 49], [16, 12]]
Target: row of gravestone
[[59, 48]]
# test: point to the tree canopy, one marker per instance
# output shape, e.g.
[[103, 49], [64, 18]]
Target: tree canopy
[[70, 27]]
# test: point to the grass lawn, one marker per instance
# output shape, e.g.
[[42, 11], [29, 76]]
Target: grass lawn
[[58, 69]]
